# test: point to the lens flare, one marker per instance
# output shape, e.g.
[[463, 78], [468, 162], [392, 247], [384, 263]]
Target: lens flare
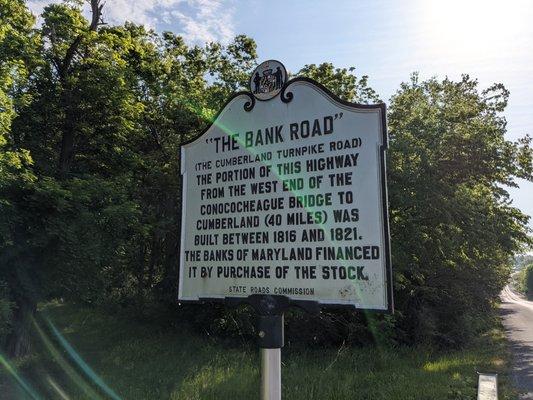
[[71, 373], [82, 364], [57, 388], [13, 372]]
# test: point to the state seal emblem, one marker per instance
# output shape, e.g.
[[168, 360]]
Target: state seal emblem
[[268, 79]]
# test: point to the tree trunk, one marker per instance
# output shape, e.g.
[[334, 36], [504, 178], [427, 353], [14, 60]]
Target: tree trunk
[[64, 70], [169, 281], [154, 260], [18, 341], [140, 275], [67, 141]]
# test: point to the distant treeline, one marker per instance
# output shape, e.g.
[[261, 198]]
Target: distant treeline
[[522, 260], [92, 116], [524, 281]]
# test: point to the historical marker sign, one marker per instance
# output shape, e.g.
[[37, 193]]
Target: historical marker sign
[[287, 197]]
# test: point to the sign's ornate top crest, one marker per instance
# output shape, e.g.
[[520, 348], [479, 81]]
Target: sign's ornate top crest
[[268, 79]]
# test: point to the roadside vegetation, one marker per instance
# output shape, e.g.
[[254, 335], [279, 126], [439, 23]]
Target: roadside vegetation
[[92, 119], [137, 360], [524, 281]]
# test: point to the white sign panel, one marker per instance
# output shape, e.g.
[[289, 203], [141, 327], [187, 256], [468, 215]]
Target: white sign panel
[[288, 197]]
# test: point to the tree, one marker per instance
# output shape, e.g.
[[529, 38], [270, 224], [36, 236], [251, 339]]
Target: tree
[[453, 229], [17, 45], [341, 81], [89, 204], [527, 280], [91, 124]]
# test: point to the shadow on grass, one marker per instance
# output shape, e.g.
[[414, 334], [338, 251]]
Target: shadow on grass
[[143, 361]]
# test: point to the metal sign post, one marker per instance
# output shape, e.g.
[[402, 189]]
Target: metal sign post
[[270, 374], [270, 332], [270, 338]]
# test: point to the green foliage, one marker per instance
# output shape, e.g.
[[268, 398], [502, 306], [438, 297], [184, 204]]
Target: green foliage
[[526, 280], [140, 360], [341, 81], [92, 119], [453, 230]]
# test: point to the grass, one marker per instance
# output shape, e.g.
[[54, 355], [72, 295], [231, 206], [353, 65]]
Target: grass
[[124, 359]]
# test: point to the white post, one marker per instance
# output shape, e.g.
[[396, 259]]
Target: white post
[[270, 374], [487, 387]]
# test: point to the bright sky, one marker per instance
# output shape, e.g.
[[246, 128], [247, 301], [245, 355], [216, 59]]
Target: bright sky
[[385, 39]]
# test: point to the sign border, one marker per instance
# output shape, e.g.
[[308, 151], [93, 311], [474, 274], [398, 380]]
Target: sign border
[[307, 305]]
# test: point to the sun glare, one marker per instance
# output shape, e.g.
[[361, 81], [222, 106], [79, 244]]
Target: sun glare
[[475, 29]]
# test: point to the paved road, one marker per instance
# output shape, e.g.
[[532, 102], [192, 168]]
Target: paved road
[[518, 321]]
